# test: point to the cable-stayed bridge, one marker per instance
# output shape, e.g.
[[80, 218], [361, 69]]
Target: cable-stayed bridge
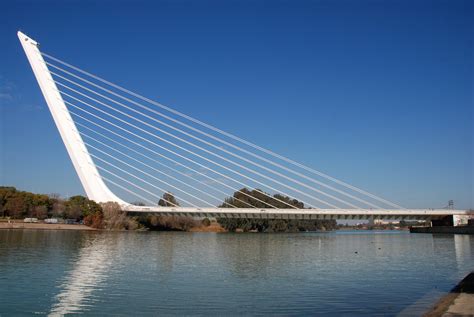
[[120, 140]]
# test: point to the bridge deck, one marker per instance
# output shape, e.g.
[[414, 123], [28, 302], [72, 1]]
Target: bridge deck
[[415, 214]]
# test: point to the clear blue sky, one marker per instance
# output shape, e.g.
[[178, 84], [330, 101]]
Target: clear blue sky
[[376, 93]]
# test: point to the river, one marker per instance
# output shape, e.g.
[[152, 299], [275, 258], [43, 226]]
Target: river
[[385, 273]]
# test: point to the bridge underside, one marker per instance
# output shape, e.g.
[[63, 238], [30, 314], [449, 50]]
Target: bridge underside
[[303, 214]]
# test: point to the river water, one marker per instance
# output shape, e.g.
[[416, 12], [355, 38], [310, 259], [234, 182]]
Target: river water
[[162, 273]]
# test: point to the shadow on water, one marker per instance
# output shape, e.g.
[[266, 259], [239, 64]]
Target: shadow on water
[[466, 285]]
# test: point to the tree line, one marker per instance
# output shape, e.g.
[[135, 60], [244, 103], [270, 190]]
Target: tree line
[[18, 204]]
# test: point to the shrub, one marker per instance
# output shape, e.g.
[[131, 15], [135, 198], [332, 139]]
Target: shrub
[[169, 223], [206, 222], [116, 219], [276, 225], [94, 221]]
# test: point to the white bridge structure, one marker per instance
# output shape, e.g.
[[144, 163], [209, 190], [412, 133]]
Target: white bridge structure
[[142, 149]]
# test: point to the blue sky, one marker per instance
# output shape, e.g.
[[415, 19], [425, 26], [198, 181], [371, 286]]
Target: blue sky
[[376, 93]]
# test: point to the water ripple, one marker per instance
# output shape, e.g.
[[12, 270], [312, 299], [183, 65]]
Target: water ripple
[[152, 273]]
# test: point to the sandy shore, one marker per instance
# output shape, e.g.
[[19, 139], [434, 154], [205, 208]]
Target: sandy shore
[[459, 302], [42, 226]]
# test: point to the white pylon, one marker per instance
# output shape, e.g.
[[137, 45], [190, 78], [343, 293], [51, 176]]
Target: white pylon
[[93, 184]]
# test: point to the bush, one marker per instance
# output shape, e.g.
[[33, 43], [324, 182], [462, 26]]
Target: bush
[[276, 225], [170, 223], [94, 221], [206, 222], [116, 219]]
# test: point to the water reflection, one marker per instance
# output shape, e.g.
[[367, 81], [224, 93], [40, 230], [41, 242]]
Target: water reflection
[[343, 273], [89, 271], [462, 247]]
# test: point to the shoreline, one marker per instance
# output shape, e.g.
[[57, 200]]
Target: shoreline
[[46, 226], [43, 226], [213, 228], [458, 302]]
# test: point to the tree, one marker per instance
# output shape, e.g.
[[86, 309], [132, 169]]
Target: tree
[[40, 212], [59, 208], [259, 199], [168, 200], [58, 205], [5, 194], [38, 205], [172, 223], [79, 206], [94, 221], [114, 217], [206, 222], [16, 206]]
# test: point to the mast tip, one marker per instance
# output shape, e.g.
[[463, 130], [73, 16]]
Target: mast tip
[[23, 37]]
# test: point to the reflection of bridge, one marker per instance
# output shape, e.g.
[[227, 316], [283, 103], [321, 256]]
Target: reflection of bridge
[[144, 149]]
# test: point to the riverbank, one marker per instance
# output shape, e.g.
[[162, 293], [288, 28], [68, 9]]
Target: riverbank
[[459, 302], [213, 227], [42, 226], [443, 229]]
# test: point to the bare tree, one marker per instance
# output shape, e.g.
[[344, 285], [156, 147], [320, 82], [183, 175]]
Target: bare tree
[[59, 207], [40, 212], [116, 219], [55, 196]]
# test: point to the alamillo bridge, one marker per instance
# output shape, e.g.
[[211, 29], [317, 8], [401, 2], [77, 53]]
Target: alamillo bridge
[[142, 149]]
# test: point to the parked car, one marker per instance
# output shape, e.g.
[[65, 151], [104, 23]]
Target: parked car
[[51, 220], [30, 220]]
